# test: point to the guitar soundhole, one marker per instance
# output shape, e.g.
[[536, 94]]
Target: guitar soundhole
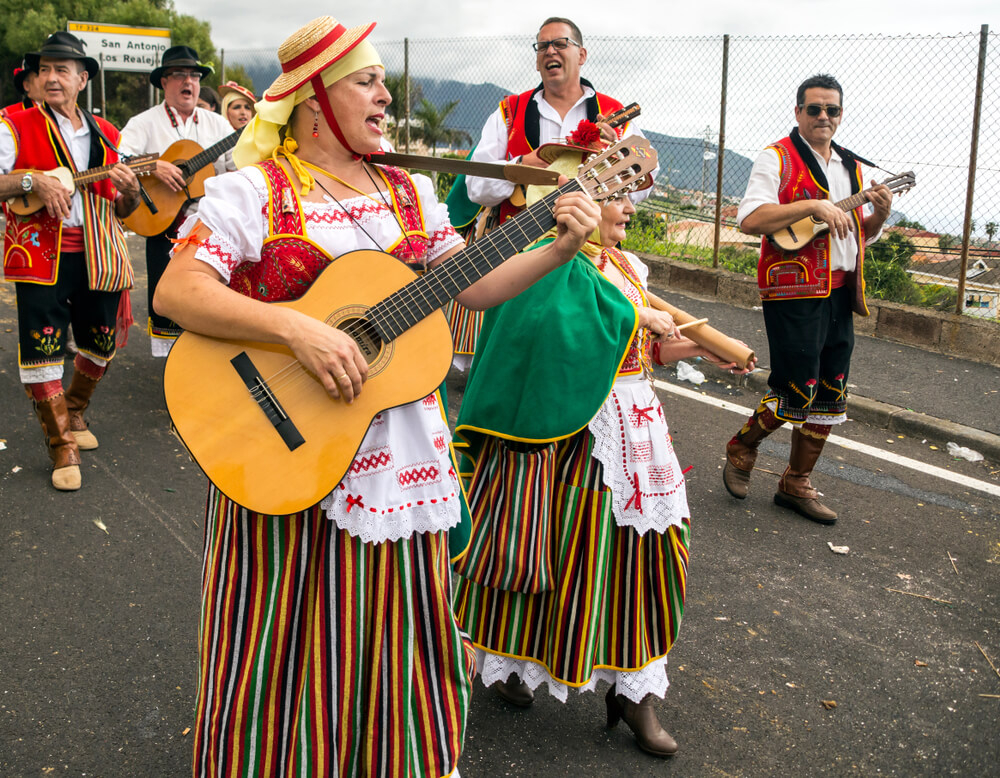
[[364, 334]]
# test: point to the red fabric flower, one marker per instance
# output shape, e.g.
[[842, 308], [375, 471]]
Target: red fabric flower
[[586, 134], [811, 382], [840, 377]]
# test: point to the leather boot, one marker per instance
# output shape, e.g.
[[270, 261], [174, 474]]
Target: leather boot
[[741, 451], [63, 450], [641, 719], [81, 388], [515, 691], [795, 491]]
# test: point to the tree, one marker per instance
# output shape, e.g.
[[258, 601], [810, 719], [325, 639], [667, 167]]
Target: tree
[[396, 84], [432, 130], [909, 224], [885, 269], [946, 241], [991, 230], [25, 28]]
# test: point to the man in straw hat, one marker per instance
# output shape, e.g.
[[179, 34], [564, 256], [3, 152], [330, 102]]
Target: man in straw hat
[[155, 130], [68, 260], [348, 660]]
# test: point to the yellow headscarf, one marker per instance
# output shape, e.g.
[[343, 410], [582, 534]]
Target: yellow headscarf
[[262, 136]]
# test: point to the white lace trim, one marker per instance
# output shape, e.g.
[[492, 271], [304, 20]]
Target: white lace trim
[[160, 347], [40, 375], [632, 443], [442, 515], [632, 684]]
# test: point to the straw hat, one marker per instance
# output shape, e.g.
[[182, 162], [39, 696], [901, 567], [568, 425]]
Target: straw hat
[[62, 45], [311, 50], [231, 87]]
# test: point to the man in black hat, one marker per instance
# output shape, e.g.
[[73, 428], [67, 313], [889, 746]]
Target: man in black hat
[[68, 259], [178, 117]]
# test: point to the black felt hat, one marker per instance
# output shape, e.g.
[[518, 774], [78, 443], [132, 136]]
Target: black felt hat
[[178, 57], [62, 45]]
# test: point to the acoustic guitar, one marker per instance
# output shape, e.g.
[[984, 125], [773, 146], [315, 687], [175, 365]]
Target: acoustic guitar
[[517, 197], [27, 204], [264, 429], [194, 164], [795, 236]]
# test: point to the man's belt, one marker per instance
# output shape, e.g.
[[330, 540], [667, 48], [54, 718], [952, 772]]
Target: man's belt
[[517, 174]]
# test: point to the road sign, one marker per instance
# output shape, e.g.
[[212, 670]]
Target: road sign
[[116, 47]]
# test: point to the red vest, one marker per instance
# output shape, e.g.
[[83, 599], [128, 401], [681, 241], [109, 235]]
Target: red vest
[[520, 114], [806, 273], [32, 243], [290, 262]]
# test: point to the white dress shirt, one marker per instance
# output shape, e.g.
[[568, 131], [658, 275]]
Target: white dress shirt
[[78, 143], [762, 189], [492, 147], [152, 131]]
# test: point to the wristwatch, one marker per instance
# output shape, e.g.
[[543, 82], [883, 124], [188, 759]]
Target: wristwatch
[[26, 183]]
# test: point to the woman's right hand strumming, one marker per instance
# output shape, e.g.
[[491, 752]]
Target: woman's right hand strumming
[[330, 355]]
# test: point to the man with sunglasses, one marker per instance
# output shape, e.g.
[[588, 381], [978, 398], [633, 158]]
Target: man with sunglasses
[[155, 130], [808, 295]]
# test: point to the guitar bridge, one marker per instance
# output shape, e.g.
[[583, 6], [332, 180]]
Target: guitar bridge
[[264, 397]]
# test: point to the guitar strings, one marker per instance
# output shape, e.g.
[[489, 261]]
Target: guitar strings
[[475, 258]]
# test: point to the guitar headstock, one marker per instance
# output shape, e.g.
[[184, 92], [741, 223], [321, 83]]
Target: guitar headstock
[[901, 182], [618, 169], [142, 164]]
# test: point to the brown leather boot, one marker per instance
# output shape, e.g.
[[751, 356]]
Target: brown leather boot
[[641, 719], [795, 491], [741, 451], [63, 450], [515, 691], [81, 389]]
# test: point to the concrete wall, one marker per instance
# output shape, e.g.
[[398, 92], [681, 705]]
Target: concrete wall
[[960, 336]]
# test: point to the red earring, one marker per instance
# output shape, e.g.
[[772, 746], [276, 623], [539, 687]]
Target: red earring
[[316, 124]]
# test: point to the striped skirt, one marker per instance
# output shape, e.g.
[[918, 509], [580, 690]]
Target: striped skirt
[[550, 578], [465, 326], [322, 655]]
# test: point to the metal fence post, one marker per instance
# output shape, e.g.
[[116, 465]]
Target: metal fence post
[[406, 94], [222, 66], [984, 35], [721, 150]]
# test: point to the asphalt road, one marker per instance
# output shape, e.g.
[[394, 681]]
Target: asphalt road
[[99, 597]]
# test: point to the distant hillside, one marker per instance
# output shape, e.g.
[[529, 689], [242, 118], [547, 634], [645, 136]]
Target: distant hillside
[[681, 159]]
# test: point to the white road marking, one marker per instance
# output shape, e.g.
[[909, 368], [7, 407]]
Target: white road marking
[[837, 440]]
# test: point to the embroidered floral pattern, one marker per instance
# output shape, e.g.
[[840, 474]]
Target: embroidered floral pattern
[[48, 340], [104, 338]]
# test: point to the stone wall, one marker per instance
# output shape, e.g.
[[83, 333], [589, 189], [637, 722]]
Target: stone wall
[[960, 336]]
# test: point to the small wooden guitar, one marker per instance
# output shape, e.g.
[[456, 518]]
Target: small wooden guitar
[[194, 163], [266, 432], [795, 236], [26, 204]]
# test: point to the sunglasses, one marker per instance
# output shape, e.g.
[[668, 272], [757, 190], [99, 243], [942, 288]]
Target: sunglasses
[[815, 109], [559, 44]]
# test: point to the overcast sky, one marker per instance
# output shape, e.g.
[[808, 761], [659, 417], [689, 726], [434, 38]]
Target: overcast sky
[[253, 23]]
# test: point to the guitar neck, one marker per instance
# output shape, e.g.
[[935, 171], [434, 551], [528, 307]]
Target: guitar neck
[[403, 309], [93, 174], [212, 153], [852, 202]]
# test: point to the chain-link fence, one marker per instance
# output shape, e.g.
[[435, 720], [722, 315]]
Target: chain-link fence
[[909, 104]]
